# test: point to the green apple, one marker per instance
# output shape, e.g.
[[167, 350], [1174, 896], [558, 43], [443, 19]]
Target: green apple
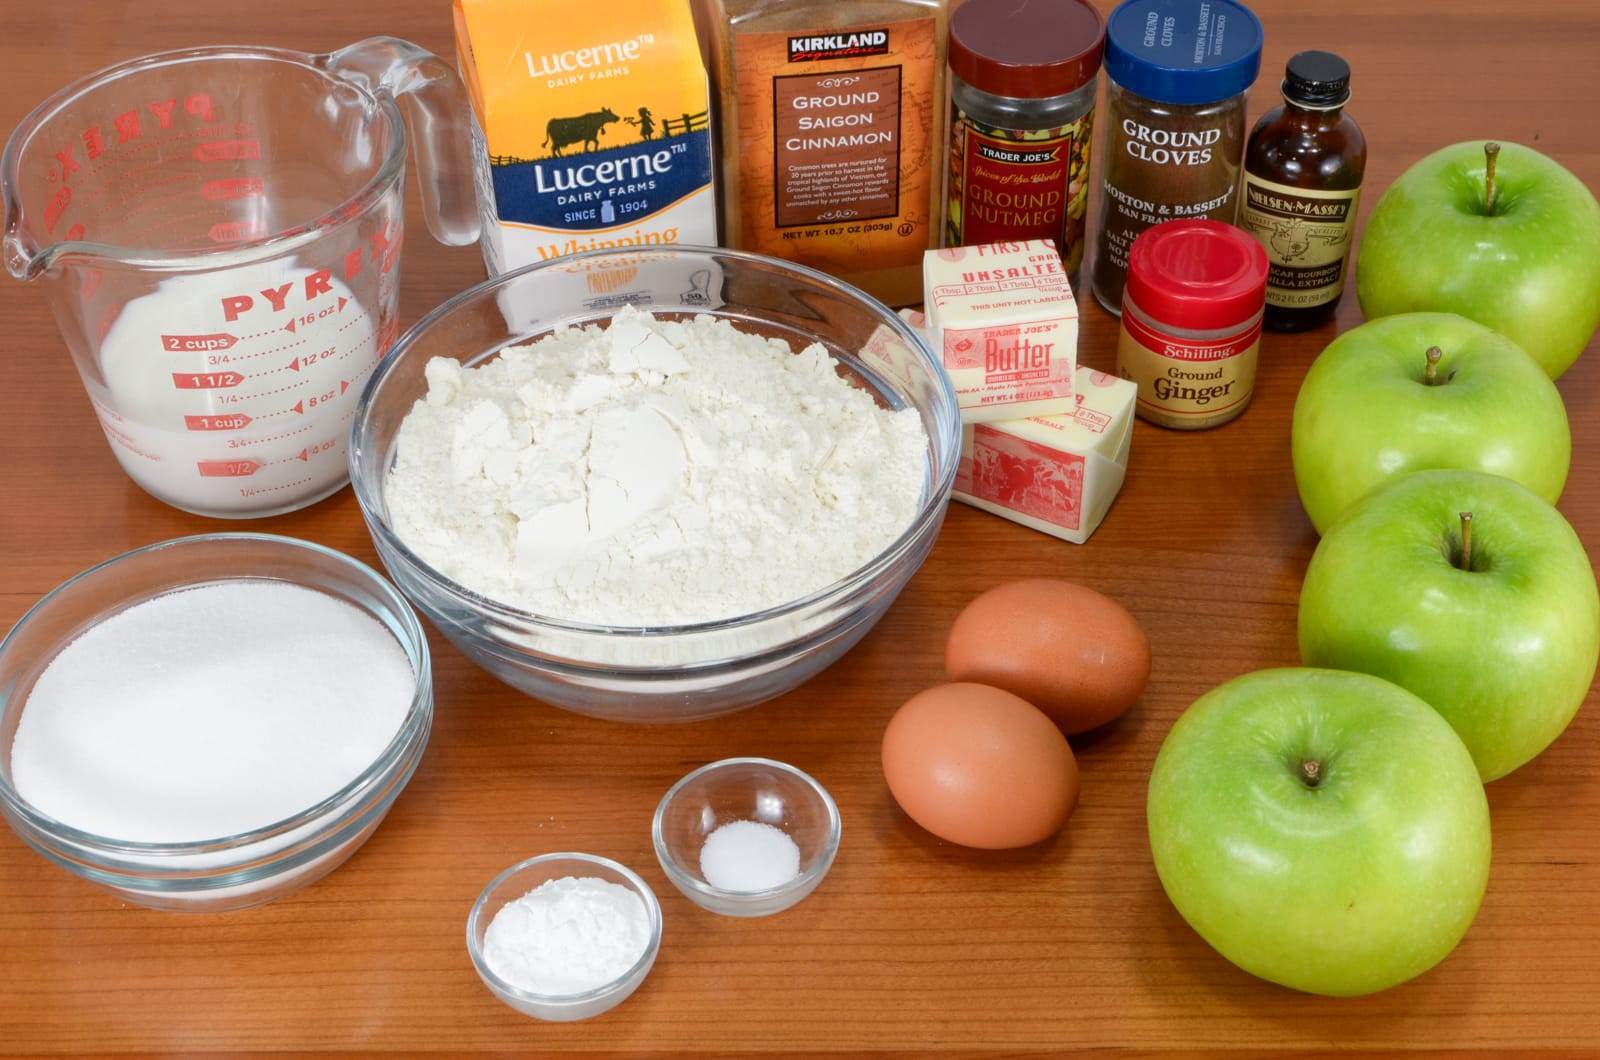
[[1424, 390], [1513, 243], [1323, 830], [1469, 591]]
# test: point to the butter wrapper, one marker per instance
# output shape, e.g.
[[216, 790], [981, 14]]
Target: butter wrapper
[[1002, 320], [1056, 474]]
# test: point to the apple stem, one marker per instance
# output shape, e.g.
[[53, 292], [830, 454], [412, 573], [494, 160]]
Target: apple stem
[[1311, 772], [1491, 151], [1465, 561], [1430, 374]]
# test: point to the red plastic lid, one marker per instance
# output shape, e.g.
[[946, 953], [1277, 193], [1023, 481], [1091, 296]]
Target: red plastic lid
[[1202, 275], [1026, 49]]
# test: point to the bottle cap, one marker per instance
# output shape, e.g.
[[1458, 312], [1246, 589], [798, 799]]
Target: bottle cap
[[1029, 50], [1183, 51], [1317, 79], [1200, 275]]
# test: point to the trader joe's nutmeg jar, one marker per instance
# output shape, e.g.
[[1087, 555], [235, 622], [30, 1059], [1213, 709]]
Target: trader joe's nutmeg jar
[[1022, 86], [1191, 322]]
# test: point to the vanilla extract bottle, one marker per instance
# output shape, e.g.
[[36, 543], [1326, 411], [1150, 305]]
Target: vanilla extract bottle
[[1302, 181]]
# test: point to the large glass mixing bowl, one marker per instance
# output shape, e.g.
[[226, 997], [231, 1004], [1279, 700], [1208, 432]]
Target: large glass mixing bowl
[[676, 673]]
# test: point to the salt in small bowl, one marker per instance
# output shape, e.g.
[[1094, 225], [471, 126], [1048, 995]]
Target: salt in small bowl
[[527, 875], [745, 789]]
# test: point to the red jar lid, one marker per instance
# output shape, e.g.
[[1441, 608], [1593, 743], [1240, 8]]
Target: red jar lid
[[1026, 49], [1202, 275]]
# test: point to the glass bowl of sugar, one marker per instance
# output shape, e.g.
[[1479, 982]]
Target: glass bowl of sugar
[[656, 484], [746, 837], [564, 937], [211, 722]]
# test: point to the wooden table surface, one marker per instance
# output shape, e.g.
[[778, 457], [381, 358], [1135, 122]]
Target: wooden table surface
[[910, 945]]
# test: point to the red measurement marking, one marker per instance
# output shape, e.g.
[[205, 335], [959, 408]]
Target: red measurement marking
[[228, 468], [298, 408], [245, 443], [206, 380], [251, 491], [233, 422], [227, 150], [56, 207], [197, 343], [307, 319], [235, 231], [233, 188]]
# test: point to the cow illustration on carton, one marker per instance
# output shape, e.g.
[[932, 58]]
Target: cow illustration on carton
[[585, 129]]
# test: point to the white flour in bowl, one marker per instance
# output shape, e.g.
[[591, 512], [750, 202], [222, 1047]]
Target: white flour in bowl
[[652, 473]]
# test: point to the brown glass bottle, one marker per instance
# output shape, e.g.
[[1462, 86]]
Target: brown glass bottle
[[1298, 196]]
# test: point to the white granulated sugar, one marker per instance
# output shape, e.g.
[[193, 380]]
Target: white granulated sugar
[[210, 711], [654, 473], [567, 936]]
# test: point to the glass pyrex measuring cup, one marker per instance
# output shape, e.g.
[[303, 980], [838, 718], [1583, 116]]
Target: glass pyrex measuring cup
[[218, 231]]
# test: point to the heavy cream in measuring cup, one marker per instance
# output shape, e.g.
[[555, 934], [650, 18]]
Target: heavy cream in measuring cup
[[232, 391]]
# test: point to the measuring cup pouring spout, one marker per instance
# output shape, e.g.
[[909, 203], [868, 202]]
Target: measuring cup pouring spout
[[218, 232]]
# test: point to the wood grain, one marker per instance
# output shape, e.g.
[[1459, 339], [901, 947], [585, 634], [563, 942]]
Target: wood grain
[[910, 946]]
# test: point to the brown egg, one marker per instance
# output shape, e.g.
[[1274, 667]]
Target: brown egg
[[979, 767], [1075, 654]]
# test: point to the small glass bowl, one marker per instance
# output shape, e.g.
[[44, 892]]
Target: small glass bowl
[[523, 877], [745, 789], [235, 871]]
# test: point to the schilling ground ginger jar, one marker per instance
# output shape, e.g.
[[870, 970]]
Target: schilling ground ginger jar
[[1191, 322]]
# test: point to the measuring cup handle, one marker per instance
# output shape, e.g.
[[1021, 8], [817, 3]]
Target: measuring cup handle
[[438, 114]]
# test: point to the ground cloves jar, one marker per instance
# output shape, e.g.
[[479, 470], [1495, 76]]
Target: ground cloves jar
[[1191, 322], [1022, 88], [1177, 72]]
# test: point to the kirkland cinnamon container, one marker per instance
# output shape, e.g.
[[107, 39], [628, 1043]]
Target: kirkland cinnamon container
[[1191, 322]]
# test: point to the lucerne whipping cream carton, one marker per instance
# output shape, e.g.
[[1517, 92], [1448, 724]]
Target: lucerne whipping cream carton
[[1002, 319], [1056, 474], [591, 126]]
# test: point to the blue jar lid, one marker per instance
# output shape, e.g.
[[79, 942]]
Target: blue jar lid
[[1183, 51]]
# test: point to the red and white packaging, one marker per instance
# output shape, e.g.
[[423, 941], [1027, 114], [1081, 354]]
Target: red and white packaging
[[1056, 474], [1002, 319]]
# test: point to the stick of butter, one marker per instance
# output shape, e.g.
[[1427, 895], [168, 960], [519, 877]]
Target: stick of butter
[[1057, 474], [1002, 319]]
